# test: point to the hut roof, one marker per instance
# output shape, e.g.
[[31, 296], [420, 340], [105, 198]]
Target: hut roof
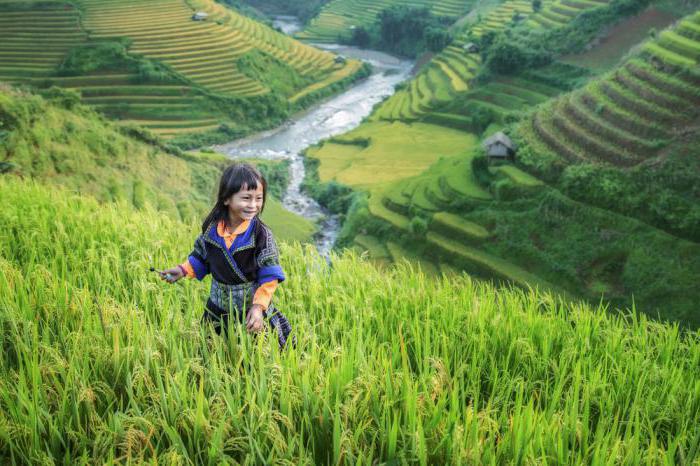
[[501, 138]]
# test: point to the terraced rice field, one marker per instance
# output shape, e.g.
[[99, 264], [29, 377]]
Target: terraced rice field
[[501, 17], [453, 239], [203, 51], [339, 17], [446, 75], [34, 40], [626, 117], [559, 12], [449, 73]]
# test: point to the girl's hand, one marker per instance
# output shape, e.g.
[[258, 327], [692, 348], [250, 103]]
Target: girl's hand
[[254, 321], [171, 275]]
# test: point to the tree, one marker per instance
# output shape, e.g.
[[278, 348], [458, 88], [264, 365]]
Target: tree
[[536, 5], [360, 37], [437, 39]]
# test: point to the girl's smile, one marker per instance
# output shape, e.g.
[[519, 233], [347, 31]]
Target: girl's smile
[[245, 204]]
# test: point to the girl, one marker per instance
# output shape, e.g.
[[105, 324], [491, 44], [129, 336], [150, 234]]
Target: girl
[[241, 255]]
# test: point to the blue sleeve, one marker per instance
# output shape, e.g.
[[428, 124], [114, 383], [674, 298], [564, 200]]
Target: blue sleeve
[[268, 259], [198, 259]]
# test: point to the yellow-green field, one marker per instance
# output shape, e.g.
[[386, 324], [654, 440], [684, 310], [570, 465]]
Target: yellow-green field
[[104, 363], [394, 151]]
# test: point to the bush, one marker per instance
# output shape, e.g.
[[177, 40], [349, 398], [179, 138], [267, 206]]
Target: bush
[[418, 226], [361, 37], [66, 98], [480, 169], [85, 59]]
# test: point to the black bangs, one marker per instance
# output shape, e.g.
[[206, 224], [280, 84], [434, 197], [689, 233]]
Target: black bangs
[[236, 177], [233, 179]]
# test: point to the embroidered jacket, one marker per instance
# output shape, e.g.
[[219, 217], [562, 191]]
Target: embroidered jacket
[[248, 255]]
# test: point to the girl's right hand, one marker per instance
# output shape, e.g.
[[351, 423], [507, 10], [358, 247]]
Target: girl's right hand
[[171, 275]]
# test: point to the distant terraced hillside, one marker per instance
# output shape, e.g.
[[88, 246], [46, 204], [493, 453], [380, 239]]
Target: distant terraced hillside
[[225, 56], [339, 17], [448, 75], [504, 222], [632, 114]]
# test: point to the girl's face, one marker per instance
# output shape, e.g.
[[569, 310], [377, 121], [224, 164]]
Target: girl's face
[[246, 203]]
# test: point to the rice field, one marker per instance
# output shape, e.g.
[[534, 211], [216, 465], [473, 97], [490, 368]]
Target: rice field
[[559, 12], [34, 40], [453, 240], [624, 117], [104, 363], [395, 151]]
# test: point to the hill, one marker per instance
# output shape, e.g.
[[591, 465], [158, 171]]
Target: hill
[[338, 18], [149, 63], [63, 143], [103, 362], [601, 200]]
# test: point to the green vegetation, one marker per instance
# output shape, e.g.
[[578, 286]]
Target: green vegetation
[[617, 42], [149, 64], [623, 145], [556, 30], [395, 151], [339, 19], [303, 10], [637, 113], [434, 372], [286, 225], [405, 31], [77, 149]]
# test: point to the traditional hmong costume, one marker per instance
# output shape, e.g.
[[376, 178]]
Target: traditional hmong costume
[[245, 269]]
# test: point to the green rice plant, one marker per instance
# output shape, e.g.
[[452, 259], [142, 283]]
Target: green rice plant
[[431, 371], [458, 228]]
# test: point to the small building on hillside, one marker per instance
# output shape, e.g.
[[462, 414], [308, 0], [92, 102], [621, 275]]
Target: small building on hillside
[[339, 60], [499, 147], [200, 16], [470, 47]]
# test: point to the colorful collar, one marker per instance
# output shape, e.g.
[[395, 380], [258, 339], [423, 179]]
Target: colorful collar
[[244, 240]]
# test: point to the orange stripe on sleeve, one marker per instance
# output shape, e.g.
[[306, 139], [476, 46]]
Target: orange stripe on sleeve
[[188, 269], [263, 295]]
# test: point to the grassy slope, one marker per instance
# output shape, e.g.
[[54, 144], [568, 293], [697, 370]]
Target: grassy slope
[[103, 362], [620, 39], [80, 150]]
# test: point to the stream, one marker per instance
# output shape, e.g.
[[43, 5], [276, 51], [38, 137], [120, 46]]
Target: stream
[[331, 117]]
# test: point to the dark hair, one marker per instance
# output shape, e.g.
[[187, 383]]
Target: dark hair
[[232, 180]]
